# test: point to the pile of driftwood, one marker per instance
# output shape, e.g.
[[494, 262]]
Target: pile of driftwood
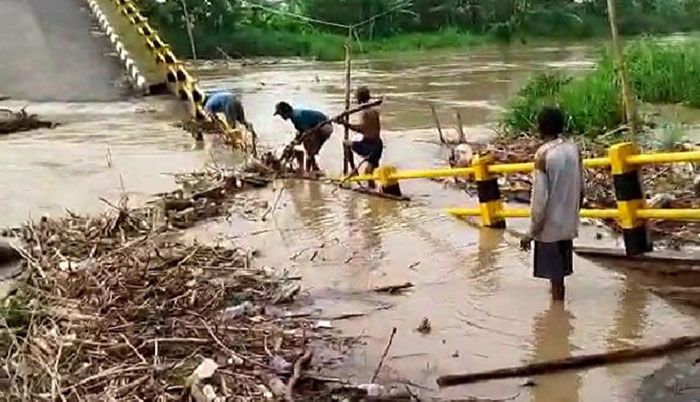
[[668, 186], [115, 306], [14, 122], [206, 194]]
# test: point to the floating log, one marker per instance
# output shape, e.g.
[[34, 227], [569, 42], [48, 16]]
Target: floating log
[[393, 288], [574, 362]]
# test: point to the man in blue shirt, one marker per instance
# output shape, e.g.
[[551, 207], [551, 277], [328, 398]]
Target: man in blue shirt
[[305, 120], [227, 103]]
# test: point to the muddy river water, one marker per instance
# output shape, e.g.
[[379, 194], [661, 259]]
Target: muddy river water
[[475, 287]]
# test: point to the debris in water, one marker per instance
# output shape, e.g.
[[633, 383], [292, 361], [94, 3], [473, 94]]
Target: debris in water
[[138, 314], [392, 289], [204, 371], [324, 324], [14, 122], [424, 327]]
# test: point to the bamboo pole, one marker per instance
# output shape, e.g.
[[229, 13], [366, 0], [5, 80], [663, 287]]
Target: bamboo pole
[[188, 26], [348, 160], [437, 122], [460, 128], [627, 93], [574, 362]]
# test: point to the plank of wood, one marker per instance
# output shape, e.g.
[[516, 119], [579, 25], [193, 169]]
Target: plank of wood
[[376, 193], [666, 256]]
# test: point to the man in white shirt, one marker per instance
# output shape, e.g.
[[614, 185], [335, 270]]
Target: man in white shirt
[[557, 194]]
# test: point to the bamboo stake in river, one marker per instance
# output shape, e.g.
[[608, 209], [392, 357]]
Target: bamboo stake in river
[[348, 160], [627, 93]]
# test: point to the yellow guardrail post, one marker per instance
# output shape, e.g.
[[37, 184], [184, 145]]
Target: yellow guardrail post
[[630, 198], [389, 185], [490, 202]]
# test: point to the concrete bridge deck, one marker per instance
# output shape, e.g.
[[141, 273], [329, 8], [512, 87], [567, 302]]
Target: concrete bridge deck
[[47, 53]]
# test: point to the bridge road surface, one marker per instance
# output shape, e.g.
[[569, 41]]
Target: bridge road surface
[[48, 53]]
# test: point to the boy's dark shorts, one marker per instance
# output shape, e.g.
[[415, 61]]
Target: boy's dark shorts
[[554, 260], [369, 149]]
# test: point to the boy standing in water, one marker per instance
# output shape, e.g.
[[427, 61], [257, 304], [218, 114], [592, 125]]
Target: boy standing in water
[[370, 146], [557, 194]]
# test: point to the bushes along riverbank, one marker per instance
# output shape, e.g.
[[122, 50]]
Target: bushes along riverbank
[[660, 72]]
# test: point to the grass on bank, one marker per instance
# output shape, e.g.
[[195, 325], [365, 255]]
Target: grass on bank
[[251, 42], [660, 72]]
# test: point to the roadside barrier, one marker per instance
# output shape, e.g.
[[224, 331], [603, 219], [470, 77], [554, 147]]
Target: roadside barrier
[[624, 161], [164, 71], [172, 71]]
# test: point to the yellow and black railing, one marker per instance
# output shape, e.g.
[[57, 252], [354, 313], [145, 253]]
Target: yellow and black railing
[[172, 72], [160, 67], [623, 160]]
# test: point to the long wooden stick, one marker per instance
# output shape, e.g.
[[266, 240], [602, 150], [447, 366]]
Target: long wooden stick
[[348, 160], [355, 170], [460, 128], [627, 93], [574, 362], [298, 366], [386, 352]]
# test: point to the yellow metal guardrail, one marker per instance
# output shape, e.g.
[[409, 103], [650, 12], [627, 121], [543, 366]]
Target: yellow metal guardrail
[[527, 167], [623, 160], [169, 68]]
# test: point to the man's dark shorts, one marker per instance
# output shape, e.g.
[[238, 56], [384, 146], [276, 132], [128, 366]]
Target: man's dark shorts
[[315, 140], [554, 260], [369, 149]]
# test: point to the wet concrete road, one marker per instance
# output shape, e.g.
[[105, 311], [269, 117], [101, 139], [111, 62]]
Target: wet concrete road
[[49, 52]]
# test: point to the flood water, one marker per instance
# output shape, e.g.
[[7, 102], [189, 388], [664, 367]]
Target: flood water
[[475, 287]]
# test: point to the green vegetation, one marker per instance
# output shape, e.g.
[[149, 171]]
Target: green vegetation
[[659, 73], [314, 28], [253, 41]]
